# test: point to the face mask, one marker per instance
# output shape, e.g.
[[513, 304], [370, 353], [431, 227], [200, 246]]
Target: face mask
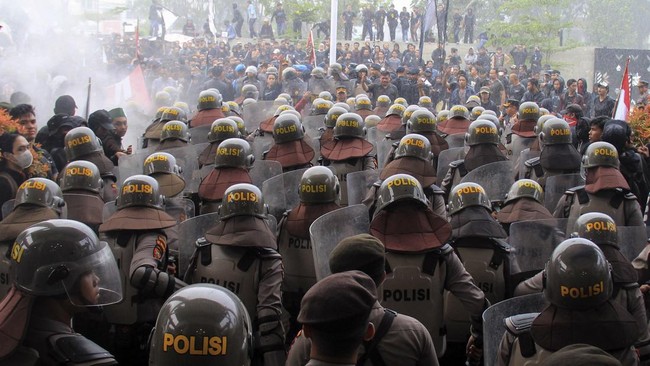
[[24, 160]]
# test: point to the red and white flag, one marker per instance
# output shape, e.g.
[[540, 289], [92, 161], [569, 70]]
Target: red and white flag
[[622, 111], [311, 51], [131, 88]]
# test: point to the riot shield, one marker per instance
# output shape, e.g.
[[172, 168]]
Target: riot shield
[[263, 170], [631, 240], [261, 144], [328, 230], [518, 145], [312, 125], [532, 244], [524, 156], [445, 158], [384, 147], [281, 192], [493, 321], [496, 178], [359, 183], [179, 208], [7, 207], [188, 232], [255, 113], [373, 135], [555, 187], [316, 86], [455, 140], [200, 134]]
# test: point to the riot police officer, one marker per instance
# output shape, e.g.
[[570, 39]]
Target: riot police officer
[[59, 269], [332, 115], [290, 147], [578, 284], [138, 236], [419, 263], [524, 202], [209, 108], [209, 316], [349, 151], [37, 199], [423, 122], [521, 135], [82, 144], [319, 194], [382, 104], [239, 253], [232, 162], [457, 121], [174, 134], [162, 167], [606, 190], [220, 130], [363, 107], [82, 188], [393, 119], [153, 132]]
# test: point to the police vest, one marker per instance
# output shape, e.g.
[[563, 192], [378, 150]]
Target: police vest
[[299, 268], [489, 265], [342, 168], [613, 202], [5, 280], [414, 286], [524, 351], [236, 268]]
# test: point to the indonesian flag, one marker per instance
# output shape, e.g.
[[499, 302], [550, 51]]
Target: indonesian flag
[[622, 111], [311, 51], [131, 88]]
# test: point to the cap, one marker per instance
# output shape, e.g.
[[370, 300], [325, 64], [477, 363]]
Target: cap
[[64, 103], [511, 102], [603, 84], [484, 89], [375, 67], [400, 69], [642, 83], [340, 89], [339, 301], [361, 252], [116, 113], [413, 71]]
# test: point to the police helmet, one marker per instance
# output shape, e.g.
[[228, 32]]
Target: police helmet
[[159, 113], [597, 227], [319, 185], [343, 105], [577, 276], [400, 187], [173, 114], [482, 132], [163, 99], [425, 102], [320, 106], [600, 153], [402, 101], [351, 101], [287, 127], [65, 258], [234, 107], [81, 175], [544, 111], [234, 153], [250, 91], [555, 131], [182, 105], [286, 97], [360, 68], [240, 124], [289, 73], [175, 130], [476, 113], [528, 111], [140, 191], [172, 91], [333, 115], [225, 109], [383, 101], [442, 115], [160, 162], [248, 102], [209, 99], [209, 315], [525, 188], [363, 103], [335, 69], [318, 72], [223, 128], [458, 112], [396, 109], [467, 195], [408, 112], [40, 192], [282, 108], [349, 125], [421, 121], [492, 118], [81, 141], [415, 146], [540, 122], [242, 199], [490, 112], [372, 120], [325, 95], [280, 101]]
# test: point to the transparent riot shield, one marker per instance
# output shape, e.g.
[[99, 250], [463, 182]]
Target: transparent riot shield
[[455, 140], [496, 178], [518, 145], [316, 86], [281, 192], [632, 240], [179, 208], [445, 158], [7, 207], [188, 232], [359, 183], [313, 124], [261, 144], [373, 135], [255, 113], [493, 321], [532, 243], [328, 230], [556, 185], [200, 134], [384, 148], [263, 170], [525, 155]]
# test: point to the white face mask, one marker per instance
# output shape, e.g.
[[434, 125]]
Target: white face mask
[[24, 160]]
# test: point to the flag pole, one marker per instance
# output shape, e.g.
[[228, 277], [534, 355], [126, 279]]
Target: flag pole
[[333, 28], [625, 88]]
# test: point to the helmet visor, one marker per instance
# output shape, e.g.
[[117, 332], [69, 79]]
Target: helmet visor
[[94, 280]]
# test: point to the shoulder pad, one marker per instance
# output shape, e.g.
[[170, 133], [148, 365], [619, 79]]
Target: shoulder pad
[[532, 162], [377, 184], [435, 189], [519, 324], [574, 190], [457, 163], [201, 242], [75, 349], [268, 253]]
